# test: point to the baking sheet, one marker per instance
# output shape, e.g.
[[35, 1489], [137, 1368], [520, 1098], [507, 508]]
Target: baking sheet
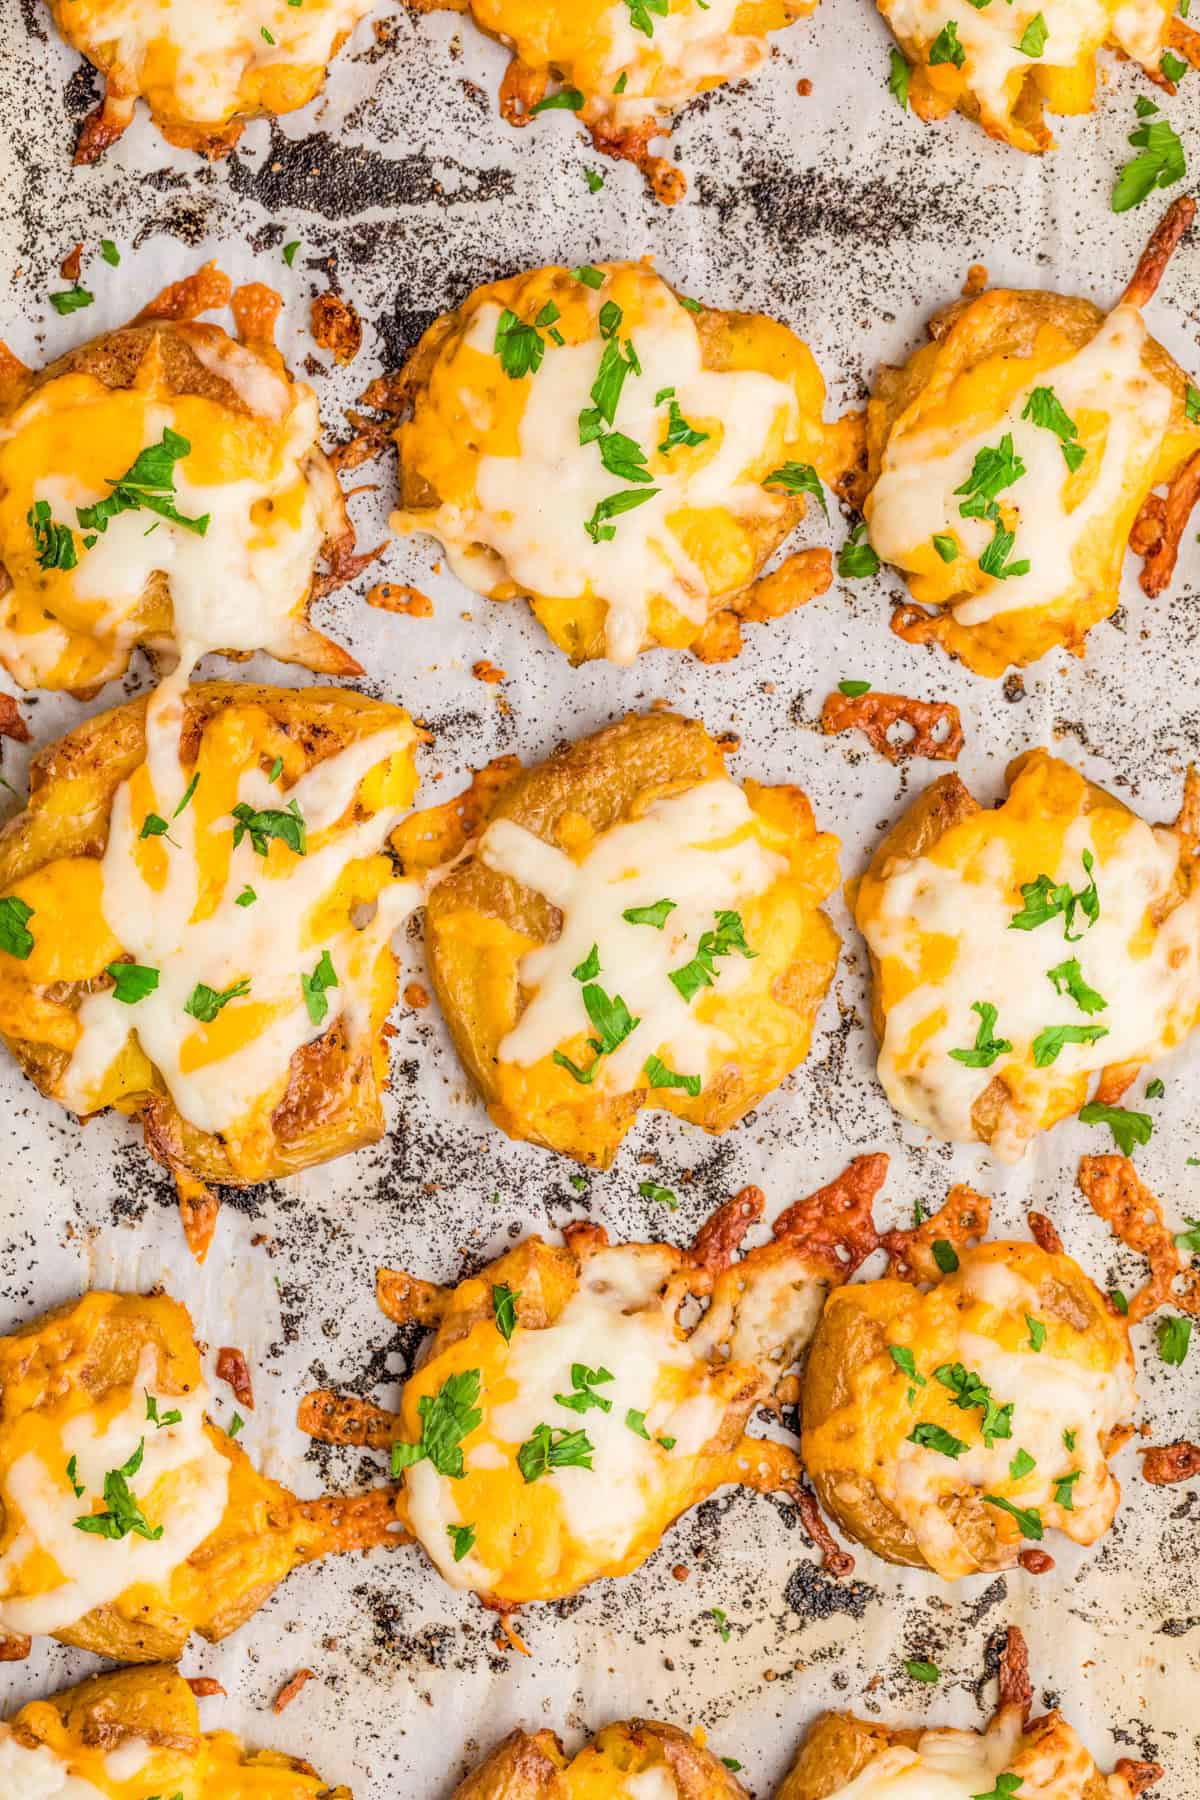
[[851, 221]]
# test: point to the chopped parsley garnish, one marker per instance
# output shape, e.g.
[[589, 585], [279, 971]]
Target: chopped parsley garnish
[[919, 1670], [680, 432], [519, 347], [854, 688], [1044, 900], [149, 482], [994, 557], [1029, 1519], [902, 1356], [157, 1419], [945, 1255], [1188, 1240], [71, 300], [1048, 1043], [584, 1381], [1191, 405], [123, 1513], [1006, 1786], [54, 544], [1021, 1465], [655, 915], [1159, 164], [623, 457], [1119, 1301], [609, 319], [289, 252], [15, 937], [132, 982], [731, 1762], [110, 253], [270, 822], [594, 180], [1069, 1440], [622, 82], [659, 1076], [72, 1477], [728, 938], [204, 1003], [188, 791], [856, 559], [579, 1183], [688, 304], [636, 1422], [798, 478], [996, 467], [986, 1048], [946, 546], [589, 968], [590, 277], [566, 100], [935, 1437], [718, 1618], [609, 1015], [550, 1448], [1174, 1334], [1037, 1332], [447, 1417], [1172, 66], [665, 1196], [597, 527], [898, 79], [1044, 408], [266, 36], [504, 1306], [615, 364], [970, 1393], [1033, 38], [154, 825], [1063, 1489], [1128, 1128], [463, 1539], [640, 11], [247, 897], [1068, 979], [946, 47], [236, 1424], [314, 986]]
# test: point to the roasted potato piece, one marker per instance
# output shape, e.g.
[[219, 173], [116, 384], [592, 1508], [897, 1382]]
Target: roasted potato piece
[[564, 1416], [1006, 68], [182, 922], [947, 1427], [632, 67], [632, 929], [126, 1526], [164, 486], [634, 1756], [1012, 460], [202, 72], [143, 1726], [1020, 952], [626, 459]]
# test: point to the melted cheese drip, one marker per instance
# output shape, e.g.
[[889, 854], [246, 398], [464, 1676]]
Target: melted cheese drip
[[548, 1537], [945, 1765], [239, 587], [914, 498], [946, 924], [527, 522], [203, 52], [182, 1485], [178, 913], [696, 848], [652, 1784], [37, 1774]]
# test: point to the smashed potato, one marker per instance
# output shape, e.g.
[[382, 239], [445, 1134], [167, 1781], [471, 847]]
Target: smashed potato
[[1022, 954], [195, 919], [1013, 459], [624, 457], [127, 1519], [1007, 66], [164, 486], [1043, 1759], [632, 928], [142, 1726], [957, 1413], [623, 67], [564, 1415], [632, 1757], [203, 70]]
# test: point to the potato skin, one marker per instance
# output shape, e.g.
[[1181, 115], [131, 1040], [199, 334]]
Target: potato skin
[[535, 1767], [479, 924], [333, 1102]]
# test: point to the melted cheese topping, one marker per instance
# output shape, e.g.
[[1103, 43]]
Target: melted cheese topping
[[940, 929], [962, 1765], [517, 486], [594, 45], [37, 1774], [698, 849], [1067, 1399], [1071, 527], [544, 1539], [174, 907], [270, 498], [51, 1574], [201, 64]]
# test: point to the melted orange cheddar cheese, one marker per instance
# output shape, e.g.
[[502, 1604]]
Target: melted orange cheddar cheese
[[209, 947], [127, 1735], [1026, 950], [590, 441], [1019, 59], [212, 541], [629, 1760], [974, 1417], [203, 69]]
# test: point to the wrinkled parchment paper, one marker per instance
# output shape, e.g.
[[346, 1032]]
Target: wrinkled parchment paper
[[851, 221]]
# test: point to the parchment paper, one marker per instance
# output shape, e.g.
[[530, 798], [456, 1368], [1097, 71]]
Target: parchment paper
[[851, 221]]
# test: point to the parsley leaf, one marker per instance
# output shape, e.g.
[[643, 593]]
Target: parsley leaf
[[463, 1539], [1068, 979], [1044, 901], [158, 1419], [70, 300], [204, 1003], [946, 47], [1172, 66], [519, 347], [903, 1358], [680, 432], [660, 1076], [934, 1437], [1048, 1043], [550, 1448], [1063, 1489], [640, 11], [971, 1393], [132, 982], [446, 1418], [123, 1514], [583, 1382], [1174, 1334], [1044, 408], [1037, 1332], [15, 937], [1033, 38], [1128, 1128], [566, 100], [110, 253], [1188, 1240], [1160, 164], [919, 1670], [270, 822], [148, 482], [72, 1477], [590, 277], [53, 544], [610, 508], [504, 1305], [899, 78], [996, 467], [1006, 1786], [718, 1618], [856, 560], [623, 457], [946, 546], [655, 915], [945, 1255], [986, 1048], [854, 688], [636, 1422], [1028, 1518], [1021, 1465], [650, 1190], [247, 897], [313, 987], [798, 478], [728, 938], [993, 558]]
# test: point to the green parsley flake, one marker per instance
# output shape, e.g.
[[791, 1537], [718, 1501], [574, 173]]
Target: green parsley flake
[[204, 1002], [447, 1417], [1028, 1518], [504, 1306], [314, 986], [463, 1539], [131, 981], [898, 79], [798, 478], [986, 1047], [854, 688], [15, 937], [1128, 1128], [1159, 164], [935, 1437], [919, 1670], [566, 100], [1173, 1334], [650, 1190], [856, 559], [550, 1448], [584, 1381]]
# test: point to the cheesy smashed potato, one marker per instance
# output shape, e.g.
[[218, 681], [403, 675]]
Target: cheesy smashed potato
[[1013, 459], [951, 1425], [624, 67], [195, 919], [633, 929], [125, 1735], [564, 1414], [164, 486], [127, 1519], [624, 457], [1007, 65], [202, 69], [1028, 956], [631, 1760]]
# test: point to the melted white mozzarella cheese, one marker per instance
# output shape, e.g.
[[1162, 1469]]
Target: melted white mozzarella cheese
[[96, 1570], [1151, 982], [657, 1783], [915, 497], [946, 1765], [270, 942], [37, 1774], [532, 507], [692, 47], [676, 851]]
